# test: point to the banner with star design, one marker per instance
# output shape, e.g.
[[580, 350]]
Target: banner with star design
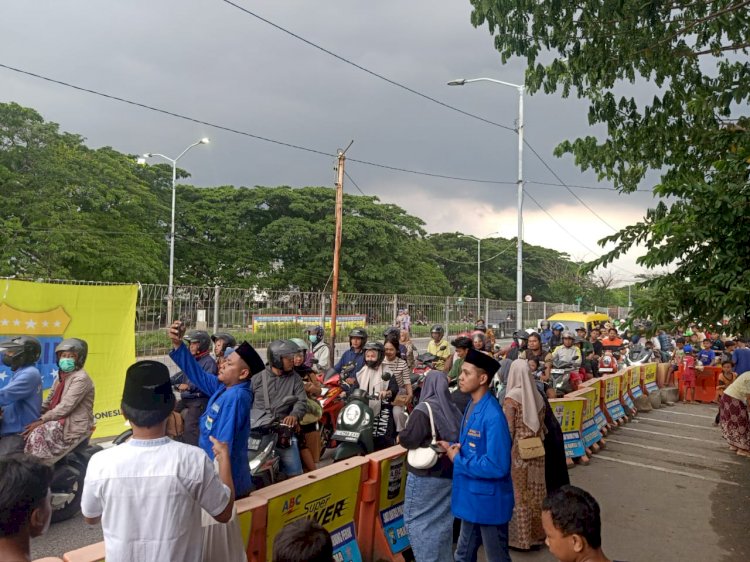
[[103, 315]]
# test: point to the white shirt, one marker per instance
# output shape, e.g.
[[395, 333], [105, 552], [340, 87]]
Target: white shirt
[[149, 494], [656, 342]]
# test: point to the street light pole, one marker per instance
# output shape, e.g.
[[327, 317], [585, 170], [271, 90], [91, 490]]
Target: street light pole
[[519, 259], [173, 161], [479, 269]]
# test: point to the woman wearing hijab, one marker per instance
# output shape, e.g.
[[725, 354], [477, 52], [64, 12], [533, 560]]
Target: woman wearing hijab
[[524, 411], [427, 505]]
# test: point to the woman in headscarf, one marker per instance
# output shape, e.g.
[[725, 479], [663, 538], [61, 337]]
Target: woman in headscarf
[[524, 411], [427, 505]]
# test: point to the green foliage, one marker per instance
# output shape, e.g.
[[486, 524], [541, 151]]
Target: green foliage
[[693, 56]]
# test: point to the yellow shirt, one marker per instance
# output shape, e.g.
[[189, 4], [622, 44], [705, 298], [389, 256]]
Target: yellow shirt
[[442, 350]]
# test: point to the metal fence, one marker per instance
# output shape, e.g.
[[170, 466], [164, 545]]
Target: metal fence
[[263, 316]]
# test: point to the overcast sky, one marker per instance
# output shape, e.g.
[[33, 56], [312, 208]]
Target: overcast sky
[[208, 60]]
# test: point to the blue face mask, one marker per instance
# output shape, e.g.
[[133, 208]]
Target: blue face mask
[[313, 338], [67, 364]]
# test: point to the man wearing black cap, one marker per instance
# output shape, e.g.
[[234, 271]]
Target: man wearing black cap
[[227, 415], [482, 496], [148, 492]]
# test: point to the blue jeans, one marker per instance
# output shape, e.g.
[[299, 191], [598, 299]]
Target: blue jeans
[[291, 463], [428, 519], [493, 537]]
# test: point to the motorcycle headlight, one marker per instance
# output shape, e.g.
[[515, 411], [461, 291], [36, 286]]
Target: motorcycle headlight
[[351, 414]]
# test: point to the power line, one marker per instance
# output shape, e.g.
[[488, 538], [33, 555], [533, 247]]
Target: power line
[[354, 183], [363, 69], [474, 262], [591, 187]]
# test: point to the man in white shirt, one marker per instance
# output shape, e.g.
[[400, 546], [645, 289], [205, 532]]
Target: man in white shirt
[[148, 492]]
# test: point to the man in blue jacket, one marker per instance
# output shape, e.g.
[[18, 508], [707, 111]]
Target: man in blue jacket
[[227, 415], [482, 496], [354, 355], [21, 398]]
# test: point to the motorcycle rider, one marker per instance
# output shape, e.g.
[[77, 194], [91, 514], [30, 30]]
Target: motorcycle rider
[[520, 339], [566, 356], [438, 346], [68, 411], [192, 400], [612, 342], [545, 333], [320, 350], [270, 387], [21, 398], [370, 379], [222, 341], [555, 340], [354, 355]]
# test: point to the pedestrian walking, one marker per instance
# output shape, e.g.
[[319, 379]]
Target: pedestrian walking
[[482, 495], [427, 505], [524, 412], [735, 423]]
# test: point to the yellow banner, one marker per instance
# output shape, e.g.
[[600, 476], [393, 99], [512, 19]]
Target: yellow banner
[[597, 388], [331, 501], [649, 375], [102, 315], [589, 393], [611, 388], [635, 377], [569, 413]]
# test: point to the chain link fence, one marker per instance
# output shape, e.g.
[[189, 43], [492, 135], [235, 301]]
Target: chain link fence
[[263, 316]]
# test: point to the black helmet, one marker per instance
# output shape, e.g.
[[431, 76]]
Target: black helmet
[[201, 337], [481, 326], [377, 346], [392, 331], [437, 328], [317, 330], [278, 349], [228, 339], [358, 333], [20, 351], [78, 346], [520, 335]]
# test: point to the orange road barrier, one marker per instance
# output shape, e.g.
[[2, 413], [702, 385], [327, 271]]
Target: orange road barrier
[[48, 559], [705, 384], [569, 412], [590, 431], [330, 495], [662, 374], [381, 531]]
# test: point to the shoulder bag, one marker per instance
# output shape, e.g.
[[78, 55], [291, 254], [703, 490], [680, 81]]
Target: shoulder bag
[[423, 458], [530, 448]]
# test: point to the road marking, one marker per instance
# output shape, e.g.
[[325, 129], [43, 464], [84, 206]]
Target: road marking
[[674, 451], [685, 414], [677, 423], [668, 470], [670, 435]]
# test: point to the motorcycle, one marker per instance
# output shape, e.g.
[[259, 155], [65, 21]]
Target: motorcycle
[[68, 473], [331, 399], [358, 428], [561, 379], [262, 445], [607, 363], [638, 355], [425, 363]]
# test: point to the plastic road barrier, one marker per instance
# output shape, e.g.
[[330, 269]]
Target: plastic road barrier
[[329, 495], [625, 398], [569, 412], [590, 431], [613, 407], [705, 384], [384, 516], [599, 417], [636, 374], [649, 378]]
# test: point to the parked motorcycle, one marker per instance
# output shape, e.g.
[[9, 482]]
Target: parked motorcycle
[[67, 480], [638, 355], [263, 443], [358, 429]]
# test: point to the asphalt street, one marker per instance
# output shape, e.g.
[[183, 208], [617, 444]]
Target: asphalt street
[[669, 488]]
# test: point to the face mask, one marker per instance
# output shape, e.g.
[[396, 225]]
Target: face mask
[[372, 364], [312, 338], [67, 364]]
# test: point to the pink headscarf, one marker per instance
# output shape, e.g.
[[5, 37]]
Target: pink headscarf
[[522, 388]]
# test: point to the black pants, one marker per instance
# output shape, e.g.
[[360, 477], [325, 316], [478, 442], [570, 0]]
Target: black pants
[[10, 444], [193, 410]]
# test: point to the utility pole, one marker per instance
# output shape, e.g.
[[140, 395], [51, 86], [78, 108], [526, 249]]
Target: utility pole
[[337, 244]]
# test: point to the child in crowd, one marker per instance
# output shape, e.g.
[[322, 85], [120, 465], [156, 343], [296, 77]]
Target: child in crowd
[[303, 540], [572, 522], [25, 509], [726, 377], [677, 358], [707, 356], [689, 374]]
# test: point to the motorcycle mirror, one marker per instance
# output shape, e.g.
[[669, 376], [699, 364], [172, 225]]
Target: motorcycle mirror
[[330, 373], [386, 376]]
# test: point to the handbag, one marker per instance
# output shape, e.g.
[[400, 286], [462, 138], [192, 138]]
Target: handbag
[[314, 412], [423, 458], [530, 448]]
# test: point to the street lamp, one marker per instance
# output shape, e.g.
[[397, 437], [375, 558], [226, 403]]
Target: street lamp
[[519, 130], [170, 288], [479, 267]]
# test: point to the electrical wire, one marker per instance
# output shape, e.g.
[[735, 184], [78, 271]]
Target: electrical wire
[[590, 187], [363, 69], [474, 262], [354, 183]]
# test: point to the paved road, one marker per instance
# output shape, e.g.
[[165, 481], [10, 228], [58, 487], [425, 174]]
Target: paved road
[[669, 488]]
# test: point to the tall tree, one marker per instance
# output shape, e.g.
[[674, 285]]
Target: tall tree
[[691, 58]]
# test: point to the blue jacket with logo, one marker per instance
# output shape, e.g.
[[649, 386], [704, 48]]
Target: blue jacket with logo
[[21, 400], [482, 488], [227, 416], [351, 356]]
